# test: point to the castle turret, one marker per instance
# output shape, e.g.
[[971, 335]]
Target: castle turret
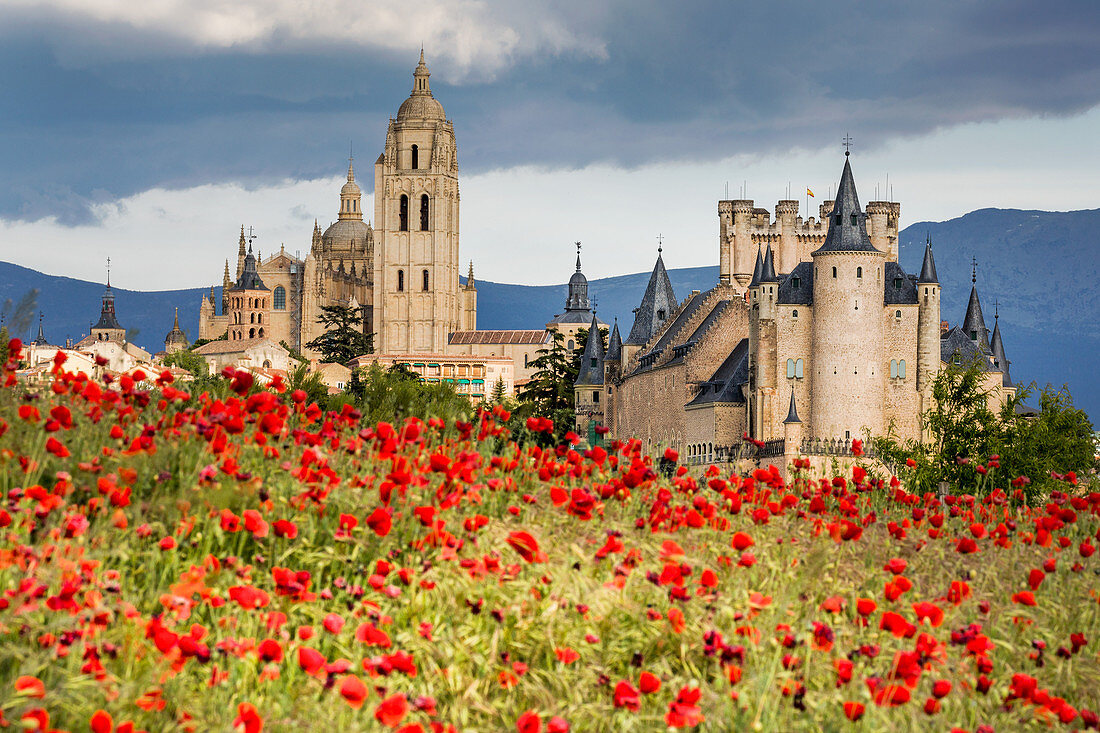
[[763, 293], [613, 359], [590, 381], [928, 328], [883, 217], [974, 323], [249, 304], [848, 342], [792, 432], [786, 216], [658, 302], [1000, 361]]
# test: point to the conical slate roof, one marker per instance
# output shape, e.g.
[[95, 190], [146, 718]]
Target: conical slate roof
[[40, 339], [847, 222], [615, 345], [176, 335], [928, 269], [591, 371], [974, 323], [658, 299], [757, 269], [767, 269], [250, 279], [1000, 361], [792, 413]]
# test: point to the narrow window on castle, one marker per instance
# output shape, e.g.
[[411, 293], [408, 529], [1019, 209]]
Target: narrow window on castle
[[424, 213], [893, 369], [956, 360], [261, 333], [796, 282], [897, 315], [798, 369], [836, 219], [834, 272], [790, 368], [901, 369], [424, 279], [973, 335], [859, 272], [593, 362], [854, 220], [279, 298], [251, 317], [794, 313], [416, 157], [400, 281], [569, 344], [404, 213], [596, 397], [897, 284], [251, 333], [259, 318]]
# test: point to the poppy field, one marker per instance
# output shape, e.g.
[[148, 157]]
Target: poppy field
[[242, 560]]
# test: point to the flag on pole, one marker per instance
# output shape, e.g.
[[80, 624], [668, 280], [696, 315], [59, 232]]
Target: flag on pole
[[810, 193]]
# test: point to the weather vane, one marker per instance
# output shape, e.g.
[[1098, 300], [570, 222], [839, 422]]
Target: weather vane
[[108, 272], [847, 144], [973, 270], [660, 243]]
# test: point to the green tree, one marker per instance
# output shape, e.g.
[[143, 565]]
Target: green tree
[[393, 394], [300, 377], [343, 339], [1059, 439], [497, 397], [189, 360], [550, 388]]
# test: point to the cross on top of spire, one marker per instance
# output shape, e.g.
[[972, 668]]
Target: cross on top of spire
[[108, 272], [660, 243], [847, 145], [973, 270]]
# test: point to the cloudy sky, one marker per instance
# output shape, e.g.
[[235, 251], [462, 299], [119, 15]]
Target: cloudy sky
[[149, 132]]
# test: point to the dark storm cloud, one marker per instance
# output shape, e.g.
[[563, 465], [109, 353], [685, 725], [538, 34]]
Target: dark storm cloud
[[82, 120]]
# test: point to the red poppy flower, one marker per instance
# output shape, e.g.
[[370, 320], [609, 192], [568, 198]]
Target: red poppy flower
[[527, 547], [30, 687], [930, 611], [102, 722], [741, 541], [648, 683], [626, 696], [941, 688], [1024, 598], [853, 710], [353, 691], [380, 522], [270, 650], [310, 660], [248, 719], [391, 711], [529, 722]]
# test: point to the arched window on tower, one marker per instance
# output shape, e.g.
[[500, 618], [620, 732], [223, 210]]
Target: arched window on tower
[[424, 280], [859, 272], [424, 213], [400, 281], [790, 368], [415, 157], [798, 369], [834, 272], [279, 298], [893, 369], [901, 369], [251, 333], [404, 213]]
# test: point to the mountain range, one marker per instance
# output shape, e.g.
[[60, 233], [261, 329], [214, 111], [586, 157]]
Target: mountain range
[[1039, 270]]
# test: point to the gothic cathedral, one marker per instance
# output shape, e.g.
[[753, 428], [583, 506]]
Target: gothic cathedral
[[402, 273]]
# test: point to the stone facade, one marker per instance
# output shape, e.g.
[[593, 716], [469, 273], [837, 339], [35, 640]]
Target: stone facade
[[813, 336]]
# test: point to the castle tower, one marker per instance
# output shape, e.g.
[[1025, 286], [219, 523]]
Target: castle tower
[[249, 304], [107, 328], [883, 217], [658, 303], [176, 340], [786, 255], [578, 308], [928, 328], [792, 433], [416, 293], [763, 294], [734, 254], [589, 385], [1000, 361], [974, 323], [847, 395]]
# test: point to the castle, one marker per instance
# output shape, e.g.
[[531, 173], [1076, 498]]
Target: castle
[[813, 335]]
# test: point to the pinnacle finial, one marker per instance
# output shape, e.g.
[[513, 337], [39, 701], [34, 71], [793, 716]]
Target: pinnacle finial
[[847, 145], [578, 256], [660, 244], [108, 272], [177, 325], [973, 270]]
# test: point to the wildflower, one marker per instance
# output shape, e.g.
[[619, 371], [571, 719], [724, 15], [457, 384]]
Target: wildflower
[[353, 691]]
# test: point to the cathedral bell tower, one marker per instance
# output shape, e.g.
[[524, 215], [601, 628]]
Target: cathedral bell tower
[[417, 302]]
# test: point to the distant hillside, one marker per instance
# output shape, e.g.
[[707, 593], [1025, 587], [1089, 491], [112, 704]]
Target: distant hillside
[[1042, 267]]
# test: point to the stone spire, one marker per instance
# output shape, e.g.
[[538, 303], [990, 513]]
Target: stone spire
[[250, 279], [657, 305], [847, 222], [615, 344], [591, 371], [470, 278], [175, 340], [577, 300], [1000, 361], [40, 339], [241, 252], [421, 104], [928, 269], [792, 412], [107, 319]]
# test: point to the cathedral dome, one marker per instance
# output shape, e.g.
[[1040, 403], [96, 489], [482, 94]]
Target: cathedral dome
[[421, 105], [351, 188], [348, 232]]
